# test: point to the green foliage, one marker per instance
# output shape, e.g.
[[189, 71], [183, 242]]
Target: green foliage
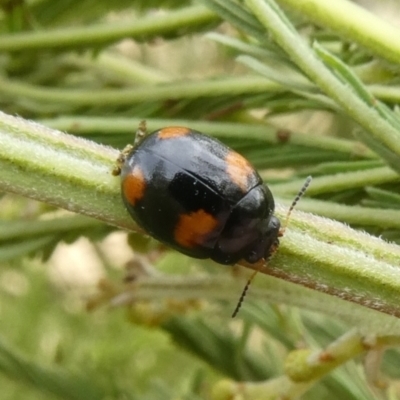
[[309, 88]]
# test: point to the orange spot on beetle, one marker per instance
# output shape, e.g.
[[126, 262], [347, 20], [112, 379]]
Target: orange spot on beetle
[[193, 227], [172, 132], [134, 185], [239, 169]]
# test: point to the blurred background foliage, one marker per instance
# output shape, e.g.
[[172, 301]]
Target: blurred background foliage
[[95, 68]]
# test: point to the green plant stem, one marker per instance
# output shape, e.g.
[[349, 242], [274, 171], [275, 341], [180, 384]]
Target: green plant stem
[[125, 70], [385, 196], [386, 93], [303, 368], [285, 35], [128, 96], [228, 286], [75, 174], [105, 125], [60, 169], [357, 215], [162, 92], [353, 23], [343, 181], [331, 259], [145, 27]]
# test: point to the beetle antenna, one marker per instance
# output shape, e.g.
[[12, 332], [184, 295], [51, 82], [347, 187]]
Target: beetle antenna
[[281, 233], [303, 189], [245, 289]]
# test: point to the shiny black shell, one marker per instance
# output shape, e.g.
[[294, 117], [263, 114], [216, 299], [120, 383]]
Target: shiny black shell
[[198, 196]]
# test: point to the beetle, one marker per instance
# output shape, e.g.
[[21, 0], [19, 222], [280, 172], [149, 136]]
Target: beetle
[[198, 196]]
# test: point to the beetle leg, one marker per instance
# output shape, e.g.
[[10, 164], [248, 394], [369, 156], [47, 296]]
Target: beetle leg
[[141, 133], [119, 162]]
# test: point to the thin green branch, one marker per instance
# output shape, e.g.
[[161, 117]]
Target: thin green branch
[[162, 92], [368, 117], [357, 215], [384, 196], [386, 93], [268, 289], [119, 67], [268, 133], [303, 368], [353, 23], [129, 96], [343, 181], [104, 34]]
